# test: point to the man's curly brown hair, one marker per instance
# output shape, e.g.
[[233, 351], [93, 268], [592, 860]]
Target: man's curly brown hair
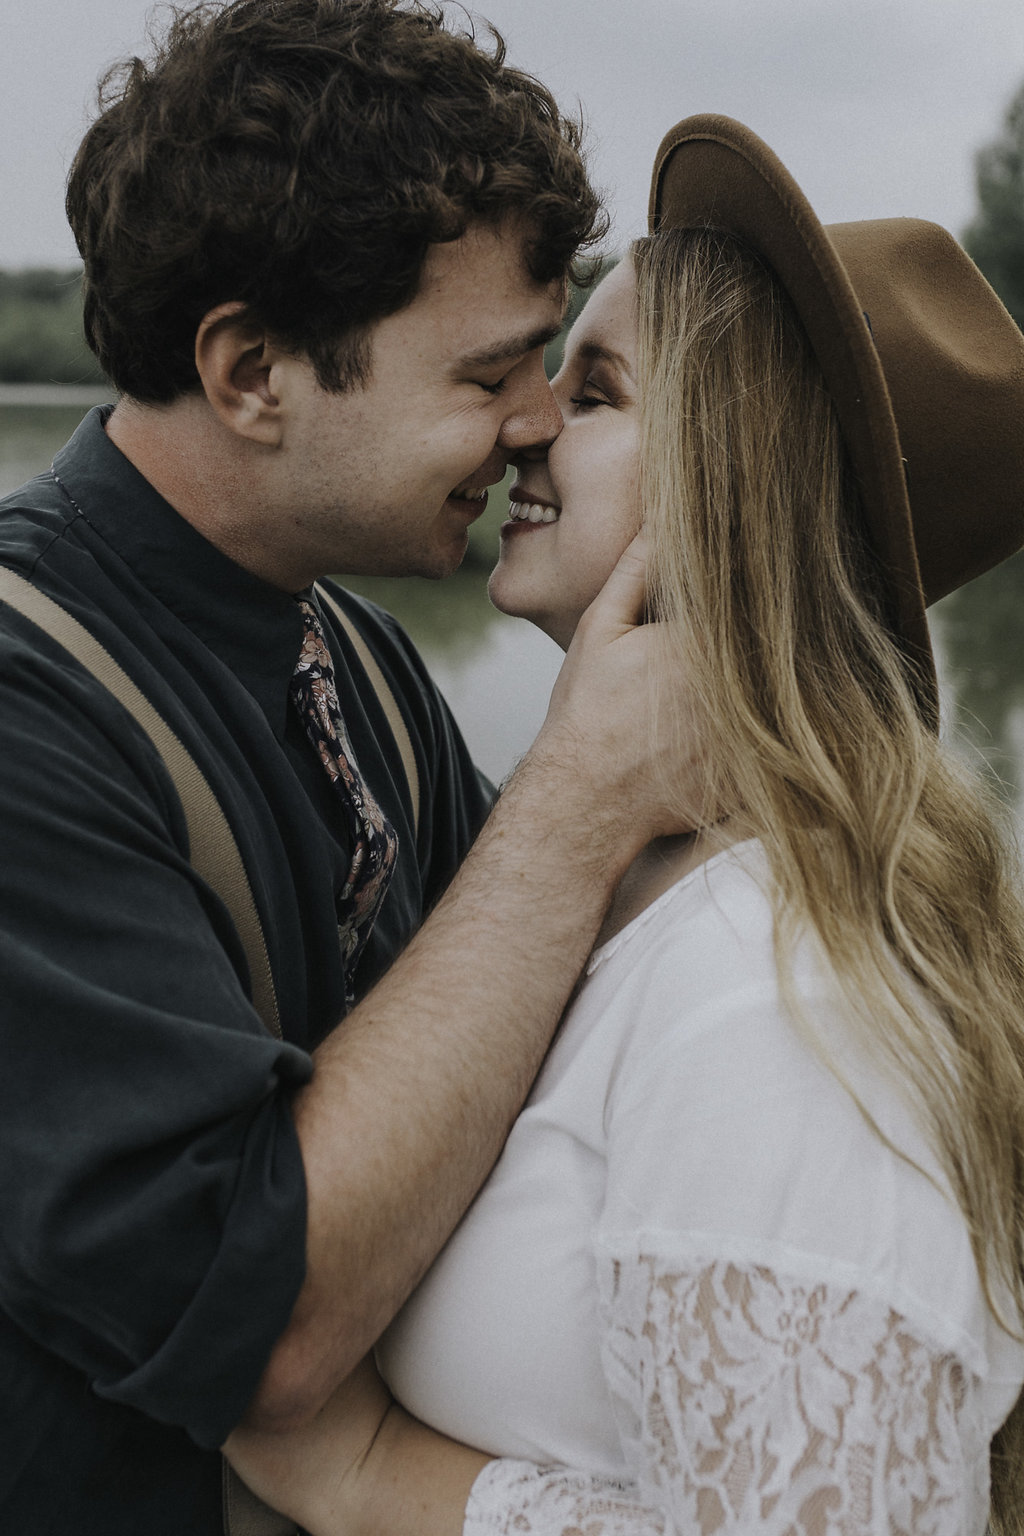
[[300, 156]]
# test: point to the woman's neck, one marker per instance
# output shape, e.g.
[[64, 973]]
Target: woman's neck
[[656, 869]]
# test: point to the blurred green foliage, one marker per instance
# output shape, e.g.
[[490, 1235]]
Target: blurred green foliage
[[41, 339], [995, 237], [982, 625], [982, 632]]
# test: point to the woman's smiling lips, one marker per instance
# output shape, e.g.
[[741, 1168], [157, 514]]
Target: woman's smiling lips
[[527, 512]]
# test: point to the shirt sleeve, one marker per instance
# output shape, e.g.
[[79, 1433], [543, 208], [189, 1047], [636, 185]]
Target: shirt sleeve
[[755, 1403], [770, 1363], [153, 1198]]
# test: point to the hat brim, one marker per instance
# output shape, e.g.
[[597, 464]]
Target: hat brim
[[712, 172]]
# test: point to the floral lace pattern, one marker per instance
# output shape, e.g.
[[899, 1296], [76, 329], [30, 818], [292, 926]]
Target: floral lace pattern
[[749, 1402]]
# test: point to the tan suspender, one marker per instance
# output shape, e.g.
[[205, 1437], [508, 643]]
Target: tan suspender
[[213, 851], [215, 856]]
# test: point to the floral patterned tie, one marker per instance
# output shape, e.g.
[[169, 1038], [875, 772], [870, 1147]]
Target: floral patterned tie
[[374, 841]]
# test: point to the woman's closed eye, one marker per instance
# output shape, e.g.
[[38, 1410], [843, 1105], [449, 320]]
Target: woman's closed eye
[[586, 400]]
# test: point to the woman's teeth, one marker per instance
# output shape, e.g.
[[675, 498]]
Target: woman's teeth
[[531, 512]]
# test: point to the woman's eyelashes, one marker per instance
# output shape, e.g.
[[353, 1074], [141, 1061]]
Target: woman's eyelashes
[[592, 393]]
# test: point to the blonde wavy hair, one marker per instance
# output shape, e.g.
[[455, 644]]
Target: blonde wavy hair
[[880, 843]]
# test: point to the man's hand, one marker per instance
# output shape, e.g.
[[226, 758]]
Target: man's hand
[[620, 723]]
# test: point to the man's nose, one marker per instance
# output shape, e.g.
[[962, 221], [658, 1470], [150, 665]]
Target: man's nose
[[536, 420]]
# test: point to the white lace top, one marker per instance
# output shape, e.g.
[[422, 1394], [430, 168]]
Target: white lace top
[[698, 1294]]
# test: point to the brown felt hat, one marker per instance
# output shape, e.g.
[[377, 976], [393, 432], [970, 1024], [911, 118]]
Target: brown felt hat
[[924, 363]]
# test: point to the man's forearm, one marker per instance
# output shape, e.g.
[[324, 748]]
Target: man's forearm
[[414, 1095]]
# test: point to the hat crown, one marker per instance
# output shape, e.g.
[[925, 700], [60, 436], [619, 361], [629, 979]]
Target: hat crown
[[924, 363], [953, 365]]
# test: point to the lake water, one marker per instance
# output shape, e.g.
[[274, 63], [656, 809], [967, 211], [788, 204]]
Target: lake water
[[497, 672]]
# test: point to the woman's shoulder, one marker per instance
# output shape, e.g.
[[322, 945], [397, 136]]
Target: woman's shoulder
[[738, 1130], [714, 1022]]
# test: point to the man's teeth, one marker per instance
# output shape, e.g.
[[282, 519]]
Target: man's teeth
[[531, 512], [470, 495]]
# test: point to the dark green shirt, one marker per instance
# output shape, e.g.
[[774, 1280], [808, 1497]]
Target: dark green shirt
[[152, 1199]]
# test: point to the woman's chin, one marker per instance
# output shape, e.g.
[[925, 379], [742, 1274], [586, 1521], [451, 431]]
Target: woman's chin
[[507, 595], [558, 627]]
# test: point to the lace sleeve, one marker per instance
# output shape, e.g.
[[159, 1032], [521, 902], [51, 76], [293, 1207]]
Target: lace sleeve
[[748, 1403]]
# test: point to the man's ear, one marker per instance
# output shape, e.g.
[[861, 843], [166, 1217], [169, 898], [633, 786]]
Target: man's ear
[[233, 359]]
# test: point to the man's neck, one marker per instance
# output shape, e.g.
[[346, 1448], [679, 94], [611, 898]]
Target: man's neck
[[206, 475], [167, 445]]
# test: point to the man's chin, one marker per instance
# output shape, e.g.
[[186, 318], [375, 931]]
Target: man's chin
[[434, 570], [446, 561], [434, 565]]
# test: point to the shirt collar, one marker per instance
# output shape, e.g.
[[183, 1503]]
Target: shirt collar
[[253, 627]]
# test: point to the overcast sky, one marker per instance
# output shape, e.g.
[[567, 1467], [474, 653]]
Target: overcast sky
[[876, 106]]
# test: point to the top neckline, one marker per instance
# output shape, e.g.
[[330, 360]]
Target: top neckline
[[604, 951]]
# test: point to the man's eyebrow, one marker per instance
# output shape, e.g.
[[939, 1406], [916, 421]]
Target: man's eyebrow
[[511, 346]]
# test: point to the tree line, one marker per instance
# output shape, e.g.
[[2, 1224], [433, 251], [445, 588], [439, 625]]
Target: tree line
[[41, 339], [983, 623]]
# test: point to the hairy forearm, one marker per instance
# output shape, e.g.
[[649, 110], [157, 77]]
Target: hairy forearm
[[413, 1096]]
